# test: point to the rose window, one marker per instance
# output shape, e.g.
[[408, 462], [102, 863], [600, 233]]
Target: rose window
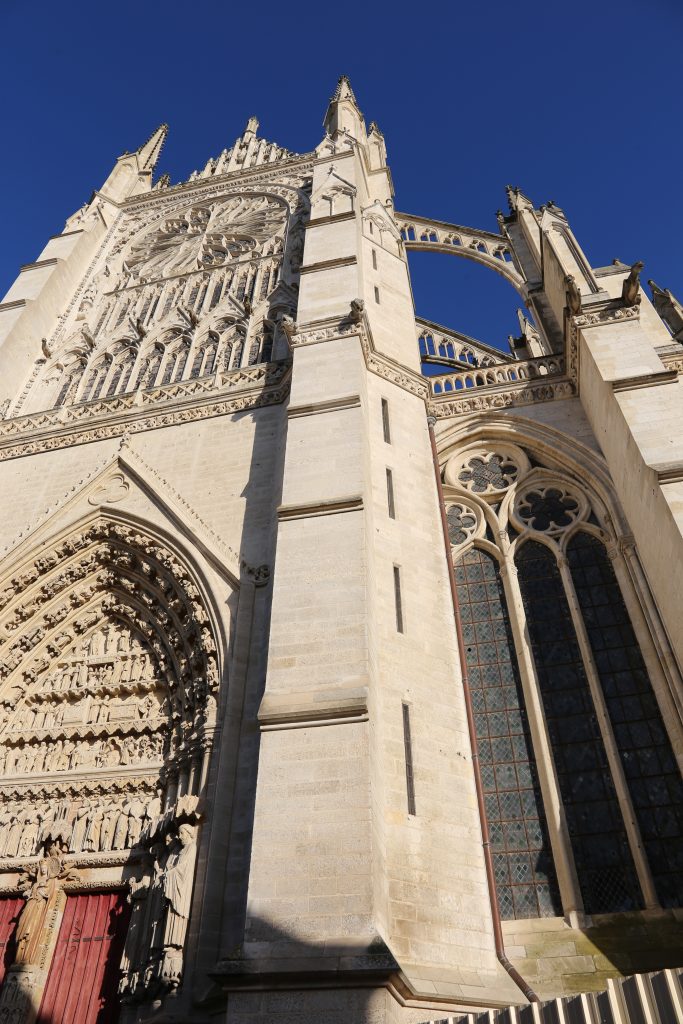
[[206, 236], [484, 473], [548, 509], [462, 523]]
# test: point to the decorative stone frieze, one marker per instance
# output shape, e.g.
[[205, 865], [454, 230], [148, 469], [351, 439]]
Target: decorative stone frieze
[[511, 396]]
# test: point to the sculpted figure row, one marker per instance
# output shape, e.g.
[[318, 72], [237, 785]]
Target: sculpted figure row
[[92, 825], [67, 755], [89, 711]]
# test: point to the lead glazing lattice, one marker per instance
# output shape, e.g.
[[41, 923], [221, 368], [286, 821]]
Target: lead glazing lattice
[[648, 760], [604, 865], [526, 885], [462, 523], [484, 473]]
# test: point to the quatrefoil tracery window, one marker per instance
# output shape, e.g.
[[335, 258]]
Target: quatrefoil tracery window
[[548, 509]]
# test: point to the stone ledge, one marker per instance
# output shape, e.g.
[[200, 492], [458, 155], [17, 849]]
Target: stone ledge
[[52, 261], [313, 706], [331, 405], [649, 380], [334, 218], [320, 508], [340, 261]]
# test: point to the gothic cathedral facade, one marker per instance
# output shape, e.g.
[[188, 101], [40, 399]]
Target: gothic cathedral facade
[[332, 689]]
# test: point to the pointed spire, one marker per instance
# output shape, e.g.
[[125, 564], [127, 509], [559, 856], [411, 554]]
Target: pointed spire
[[343, 115], [343, 91], [528, 345], [149, 151], [517, 200], [252, 126]]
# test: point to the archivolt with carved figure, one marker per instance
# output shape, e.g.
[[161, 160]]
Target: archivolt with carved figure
[[110, 677]]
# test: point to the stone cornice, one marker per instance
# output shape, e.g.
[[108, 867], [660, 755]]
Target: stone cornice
[[313, 706], [597, 314], [335, 218], [673, 361], [248, 388], [39, 264], [314, 333]]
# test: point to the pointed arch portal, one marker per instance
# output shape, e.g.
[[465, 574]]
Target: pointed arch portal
[[108, 691]]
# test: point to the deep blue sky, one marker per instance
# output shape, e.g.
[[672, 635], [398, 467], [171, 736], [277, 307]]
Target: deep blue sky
[[577, 103]]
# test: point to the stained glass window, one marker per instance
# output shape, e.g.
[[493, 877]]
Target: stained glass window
[[483, 474], [644, 748], [525, 877], [548, 508], [461, 523], [604, 865]]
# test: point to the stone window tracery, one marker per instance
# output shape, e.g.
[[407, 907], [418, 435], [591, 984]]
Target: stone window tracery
[[548, 509], [492, 474], [613, 768], [645, 750], [462, 523], [181, 271], [488, 472]]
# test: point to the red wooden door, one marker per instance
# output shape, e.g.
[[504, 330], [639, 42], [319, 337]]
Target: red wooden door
[[82, 984], [10, 909]]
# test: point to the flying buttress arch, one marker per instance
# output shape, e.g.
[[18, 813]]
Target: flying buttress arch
[[485, 247]]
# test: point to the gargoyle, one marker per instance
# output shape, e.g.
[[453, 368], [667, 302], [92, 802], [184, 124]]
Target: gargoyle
[[631, 285], [357, 307], [288, 325], [573, 295]]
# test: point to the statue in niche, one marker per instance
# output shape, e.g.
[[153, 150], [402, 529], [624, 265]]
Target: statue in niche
[[29, 834], [120, 833], [135, 810], [14, 835], [41, 889], [79, 826], [143, 940], [177, 886], [153, 955], [93, 831], [108, 828]]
